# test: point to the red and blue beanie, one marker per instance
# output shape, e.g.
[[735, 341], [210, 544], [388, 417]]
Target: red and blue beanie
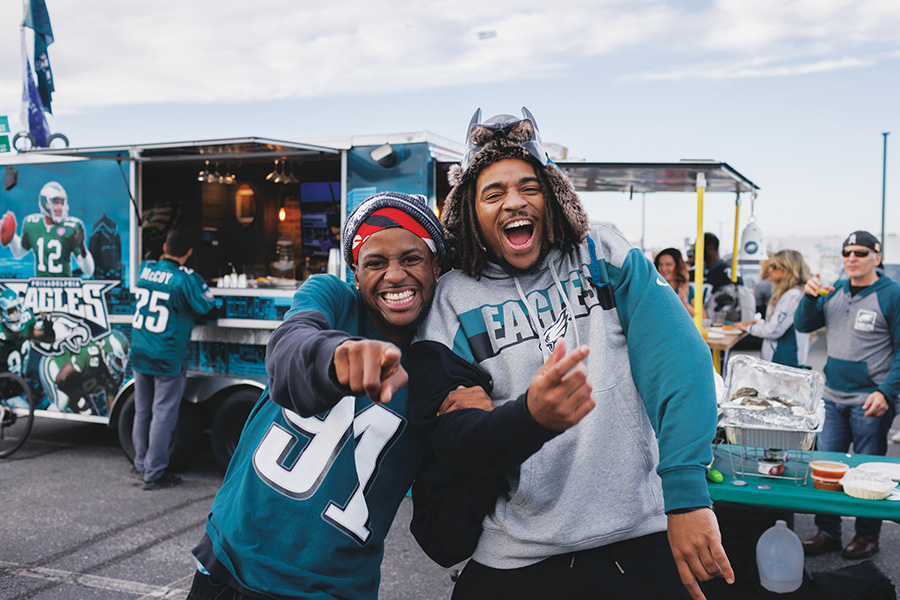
[[387, 210]]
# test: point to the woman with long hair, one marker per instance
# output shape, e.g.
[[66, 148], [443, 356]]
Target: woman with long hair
[[675, 271], [782, 343]]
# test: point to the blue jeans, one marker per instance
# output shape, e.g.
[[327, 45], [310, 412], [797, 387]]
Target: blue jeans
[[846, 424]]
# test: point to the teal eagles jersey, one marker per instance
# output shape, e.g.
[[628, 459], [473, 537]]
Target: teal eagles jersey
[[53, 245], [307, 502], [12, 337], [168, 298]]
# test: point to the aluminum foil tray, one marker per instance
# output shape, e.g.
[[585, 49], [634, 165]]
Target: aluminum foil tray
[[771, 406], [771, 438]]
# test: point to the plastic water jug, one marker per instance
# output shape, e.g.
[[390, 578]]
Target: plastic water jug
[[779, 557]]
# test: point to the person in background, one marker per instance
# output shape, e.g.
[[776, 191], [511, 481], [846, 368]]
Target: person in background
[[169, 296], [782, 343], [675, 271], [861, 316], [723, 299], [717, 271]]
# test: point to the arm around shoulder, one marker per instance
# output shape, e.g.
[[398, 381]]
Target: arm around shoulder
[[672, 369]]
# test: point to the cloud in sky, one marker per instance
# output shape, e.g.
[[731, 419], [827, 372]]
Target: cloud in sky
[[757, 67], [121, 53]]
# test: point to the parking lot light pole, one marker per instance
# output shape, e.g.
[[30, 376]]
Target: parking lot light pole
[[883, 182]]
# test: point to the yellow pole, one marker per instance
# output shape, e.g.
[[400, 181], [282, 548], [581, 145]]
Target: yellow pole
[[698, 255], [734, 254]]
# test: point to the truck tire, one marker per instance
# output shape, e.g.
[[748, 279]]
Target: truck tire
[[228, 423], [185, 439]]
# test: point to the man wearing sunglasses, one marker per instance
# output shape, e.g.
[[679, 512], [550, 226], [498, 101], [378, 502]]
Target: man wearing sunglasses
[[862, 375]]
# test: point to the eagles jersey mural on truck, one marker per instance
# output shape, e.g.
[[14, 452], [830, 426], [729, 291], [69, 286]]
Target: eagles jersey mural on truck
[[65, 236], [55, 324]]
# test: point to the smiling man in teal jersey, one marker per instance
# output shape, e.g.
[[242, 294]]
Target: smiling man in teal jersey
[[327, 454]]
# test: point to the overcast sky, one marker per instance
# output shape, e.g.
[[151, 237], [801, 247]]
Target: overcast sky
[[793, 94]]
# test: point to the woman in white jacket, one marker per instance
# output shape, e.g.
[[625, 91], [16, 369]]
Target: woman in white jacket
[[782, 343]]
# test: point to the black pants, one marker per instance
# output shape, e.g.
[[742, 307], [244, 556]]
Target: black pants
[[631, 570], [205, 587]]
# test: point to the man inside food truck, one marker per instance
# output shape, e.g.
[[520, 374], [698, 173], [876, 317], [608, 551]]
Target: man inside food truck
[[327, 454], [536, 292], [861, 316]]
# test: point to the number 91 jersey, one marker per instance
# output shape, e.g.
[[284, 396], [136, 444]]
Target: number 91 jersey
[[308, 501]]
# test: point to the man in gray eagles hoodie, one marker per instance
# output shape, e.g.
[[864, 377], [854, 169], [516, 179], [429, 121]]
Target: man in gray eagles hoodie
[[605, 448]]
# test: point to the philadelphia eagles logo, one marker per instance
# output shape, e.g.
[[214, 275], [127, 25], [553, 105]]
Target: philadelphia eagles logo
[[556, 330]]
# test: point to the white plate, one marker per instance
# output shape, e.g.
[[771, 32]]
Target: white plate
[[892, 470], [714, 335]]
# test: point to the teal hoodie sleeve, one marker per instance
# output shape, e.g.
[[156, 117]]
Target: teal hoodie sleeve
[[672, 368], [810, 315]]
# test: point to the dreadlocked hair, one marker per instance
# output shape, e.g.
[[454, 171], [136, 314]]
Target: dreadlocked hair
[[566, 223]]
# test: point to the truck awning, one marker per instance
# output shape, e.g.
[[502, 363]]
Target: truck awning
[[219, 149]]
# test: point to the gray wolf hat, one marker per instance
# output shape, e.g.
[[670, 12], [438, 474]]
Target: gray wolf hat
[[862, 238], [498, 138], [415, 205]]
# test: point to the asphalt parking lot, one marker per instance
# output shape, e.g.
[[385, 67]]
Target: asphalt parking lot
[[78, 525]]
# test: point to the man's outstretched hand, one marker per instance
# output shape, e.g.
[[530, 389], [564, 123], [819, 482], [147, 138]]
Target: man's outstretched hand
[[559, 396], [697, 548], [370, 367]]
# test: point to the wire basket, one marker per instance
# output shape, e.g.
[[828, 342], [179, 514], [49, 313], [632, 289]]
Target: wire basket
[[754, 443]]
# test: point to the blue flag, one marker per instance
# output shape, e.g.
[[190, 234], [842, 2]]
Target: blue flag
[[38, 19], [32, 114]]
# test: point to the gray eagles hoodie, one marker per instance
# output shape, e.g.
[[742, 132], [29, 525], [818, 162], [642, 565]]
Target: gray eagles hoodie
[[644, 448]]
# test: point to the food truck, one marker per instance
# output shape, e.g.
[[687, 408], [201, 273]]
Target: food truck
[[264, 215]]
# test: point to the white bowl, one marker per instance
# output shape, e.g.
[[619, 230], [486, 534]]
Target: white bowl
[[867, 485]]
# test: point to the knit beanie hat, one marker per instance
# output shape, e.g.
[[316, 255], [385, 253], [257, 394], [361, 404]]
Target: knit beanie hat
[[499, 138], [385, 210]]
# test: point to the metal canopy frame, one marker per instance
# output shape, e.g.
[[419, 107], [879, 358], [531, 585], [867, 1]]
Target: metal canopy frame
[[683, 176], [678, 176]]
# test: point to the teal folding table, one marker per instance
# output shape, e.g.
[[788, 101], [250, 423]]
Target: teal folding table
[[785, 495]]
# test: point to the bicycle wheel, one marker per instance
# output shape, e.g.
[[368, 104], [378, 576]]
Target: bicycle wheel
[[16, 413]]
